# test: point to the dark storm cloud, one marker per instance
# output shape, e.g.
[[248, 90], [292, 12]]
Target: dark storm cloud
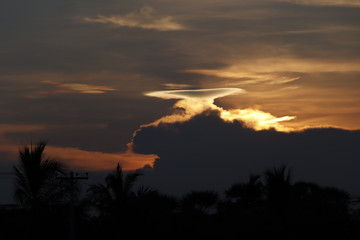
[[207, 152]]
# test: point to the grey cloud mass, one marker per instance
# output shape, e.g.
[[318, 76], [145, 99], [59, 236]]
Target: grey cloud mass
[[207, 151]]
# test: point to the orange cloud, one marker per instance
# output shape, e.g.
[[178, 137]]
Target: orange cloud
[[89, 160], [7, 128], [74, 157], [77, 87]]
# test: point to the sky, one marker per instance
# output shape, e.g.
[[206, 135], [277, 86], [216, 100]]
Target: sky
[[136, 82]]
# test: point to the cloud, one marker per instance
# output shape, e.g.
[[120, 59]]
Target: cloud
[[345, 3], [323, 30], [245, 77], [269, 68], [198, 101], [257, 119], [17, 128], [208, 94], [192, 103], [72, 157], [145, 18], [92, 160], [208, 152], [4, 128], [202, 145], [76, 87], [88, 160], [176, 86]]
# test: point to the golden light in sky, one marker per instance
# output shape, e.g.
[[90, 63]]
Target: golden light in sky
[[197, 101], [196, 93]]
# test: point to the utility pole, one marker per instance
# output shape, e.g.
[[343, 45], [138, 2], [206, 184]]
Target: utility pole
[[72, 180]]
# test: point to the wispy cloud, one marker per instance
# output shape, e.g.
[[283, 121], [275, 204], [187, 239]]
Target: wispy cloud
[[77, 87], [11, 128], [176, 86], [334, 29], [245, 77], [275, 70], [210, 94], [146, 18], [347, 3]]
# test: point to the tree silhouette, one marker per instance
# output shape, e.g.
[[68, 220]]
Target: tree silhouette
[[40, 193], [197, 214], [114, 202], [266, 206], [324, 202], [278, 187], [200, 201], [115, 194], [248, 193], [36, 182]]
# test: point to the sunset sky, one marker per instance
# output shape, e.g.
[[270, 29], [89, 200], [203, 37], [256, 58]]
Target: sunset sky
[[103, 80]]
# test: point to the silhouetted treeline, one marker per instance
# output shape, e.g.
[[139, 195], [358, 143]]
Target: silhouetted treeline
[[268, 205]]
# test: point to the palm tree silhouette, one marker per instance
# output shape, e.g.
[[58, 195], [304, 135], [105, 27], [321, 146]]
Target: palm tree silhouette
[[113, 203], [321, 200], [278, 187], [36, 184], [115, 194], [39, 192], [199, 201], [248, 193]]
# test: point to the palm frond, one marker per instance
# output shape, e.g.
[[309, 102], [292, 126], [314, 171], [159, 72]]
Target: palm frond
[[130, 180]]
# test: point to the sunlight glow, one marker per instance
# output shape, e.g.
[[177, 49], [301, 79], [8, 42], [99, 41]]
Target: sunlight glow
[[195, 102], [209, 94], [256, 119]]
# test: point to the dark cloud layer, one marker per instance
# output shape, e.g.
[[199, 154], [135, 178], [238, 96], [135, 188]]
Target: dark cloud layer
[[207, 152]]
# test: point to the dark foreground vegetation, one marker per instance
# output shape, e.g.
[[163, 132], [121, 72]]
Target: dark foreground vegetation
[[269, 205]]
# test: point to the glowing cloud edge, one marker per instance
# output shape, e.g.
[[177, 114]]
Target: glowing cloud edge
[[211, 93]]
